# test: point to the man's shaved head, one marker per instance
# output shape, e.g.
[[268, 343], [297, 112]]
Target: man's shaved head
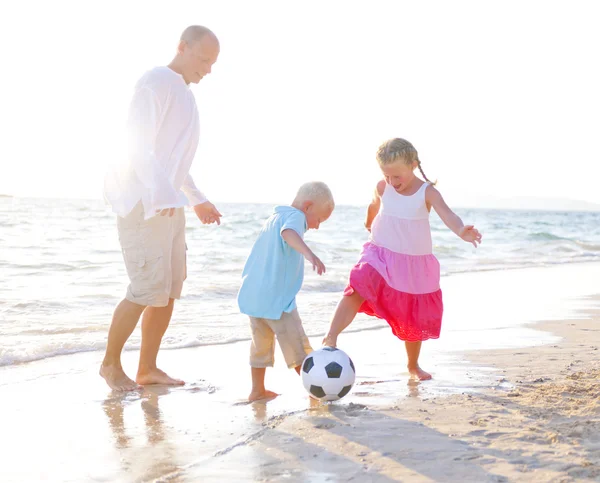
[[197, 51], [194, 33]]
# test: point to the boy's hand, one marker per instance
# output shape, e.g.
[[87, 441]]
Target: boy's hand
[[297, 243], [316, 263], [470, 234]]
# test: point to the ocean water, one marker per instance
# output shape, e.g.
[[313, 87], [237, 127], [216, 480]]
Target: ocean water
[[62, 271]]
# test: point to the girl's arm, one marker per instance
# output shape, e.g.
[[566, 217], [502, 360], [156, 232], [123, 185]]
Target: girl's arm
[[467, 232], [373, 208]]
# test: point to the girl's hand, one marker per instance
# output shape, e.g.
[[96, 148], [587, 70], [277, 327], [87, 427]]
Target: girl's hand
[[470, 234], [316, 263]]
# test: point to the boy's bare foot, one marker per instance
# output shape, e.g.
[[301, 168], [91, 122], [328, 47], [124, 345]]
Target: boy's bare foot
[[329, 341], [258, 395], [156, 376], [116, 378], [418, 373]]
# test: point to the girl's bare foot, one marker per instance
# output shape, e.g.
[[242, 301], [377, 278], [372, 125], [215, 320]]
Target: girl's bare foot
[[116, 378], [329, 341], [418, 373], [258, 395], [156, 376]]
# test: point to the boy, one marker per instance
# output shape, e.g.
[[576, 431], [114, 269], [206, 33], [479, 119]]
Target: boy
[[272, 277]]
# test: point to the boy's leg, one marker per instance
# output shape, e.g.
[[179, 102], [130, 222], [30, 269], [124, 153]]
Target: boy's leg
[[262, 351], [413, 349], [258, 385], [292, 339], [344, 315]]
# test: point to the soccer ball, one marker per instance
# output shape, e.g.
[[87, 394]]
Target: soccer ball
[[328, 374]]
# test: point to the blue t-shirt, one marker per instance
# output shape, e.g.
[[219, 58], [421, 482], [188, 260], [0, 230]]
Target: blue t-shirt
[[274, 271]]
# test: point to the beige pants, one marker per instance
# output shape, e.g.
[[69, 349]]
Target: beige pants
[[154, 254], [290, 335]]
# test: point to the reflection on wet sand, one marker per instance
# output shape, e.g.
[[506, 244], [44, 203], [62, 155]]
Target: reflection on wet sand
[[142, 457]]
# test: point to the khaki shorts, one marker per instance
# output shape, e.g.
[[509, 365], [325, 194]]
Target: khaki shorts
[[290, 336], [154, 254]]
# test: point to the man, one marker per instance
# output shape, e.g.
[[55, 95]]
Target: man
[[148, 192]]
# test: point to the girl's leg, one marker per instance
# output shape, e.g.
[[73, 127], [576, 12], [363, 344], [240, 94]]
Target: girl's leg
[[413, 349], [344, 315]]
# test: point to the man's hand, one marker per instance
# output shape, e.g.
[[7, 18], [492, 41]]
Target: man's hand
[[166, 212], [207, 213]]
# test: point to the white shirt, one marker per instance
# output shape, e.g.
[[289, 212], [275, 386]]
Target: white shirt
[[163, 130]]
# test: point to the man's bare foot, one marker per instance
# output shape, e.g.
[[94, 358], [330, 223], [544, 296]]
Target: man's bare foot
[[418, 373], [117, 379], [258, 395], [329, 341], [156, 376]]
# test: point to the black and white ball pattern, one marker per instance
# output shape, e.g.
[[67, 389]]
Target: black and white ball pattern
[[328, 374]]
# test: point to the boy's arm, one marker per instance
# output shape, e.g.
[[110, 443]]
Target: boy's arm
[[373, 208], [294, 240]]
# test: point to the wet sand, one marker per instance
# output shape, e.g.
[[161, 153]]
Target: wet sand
[[540, 422], [522, 407]]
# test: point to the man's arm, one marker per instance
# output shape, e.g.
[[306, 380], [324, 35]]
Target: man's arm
[[206, 212], [142, 124], [193, 194]]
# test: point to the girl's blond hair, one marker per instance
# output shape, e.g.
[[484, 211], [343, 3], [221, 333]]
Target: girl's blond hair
[[398, 149]]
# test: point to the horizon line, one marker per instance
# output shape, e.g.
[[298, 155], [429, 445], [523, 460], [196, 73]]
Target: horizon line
[[593, 207]]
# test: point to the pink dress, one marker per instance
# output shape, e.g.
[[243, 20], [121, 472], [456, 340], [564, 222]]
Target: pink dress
[[397, 273]]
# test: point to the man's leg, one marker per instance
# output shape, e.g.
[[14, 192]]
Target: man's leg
[[156, 319], [154, 325], [146, 247], [124, 320]]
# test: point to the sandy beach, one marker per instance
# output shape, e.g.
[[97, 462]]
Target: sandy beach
[[540, 422], [214, 160], [521, 405]]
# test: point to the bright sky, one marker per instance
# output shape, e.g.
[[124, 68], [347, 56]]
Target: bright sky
[[501, 99]]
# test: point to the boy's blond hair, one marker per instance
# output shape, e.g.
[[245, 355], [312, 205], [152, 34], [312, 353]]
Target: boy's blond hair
[[315, 191]]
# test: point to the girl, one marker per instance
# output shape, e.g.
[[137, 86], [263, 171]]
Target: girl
[[397, 278]]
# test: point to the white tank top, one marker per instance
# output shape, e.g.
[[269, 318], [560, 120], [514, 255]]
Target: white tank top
[[402, 224]]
